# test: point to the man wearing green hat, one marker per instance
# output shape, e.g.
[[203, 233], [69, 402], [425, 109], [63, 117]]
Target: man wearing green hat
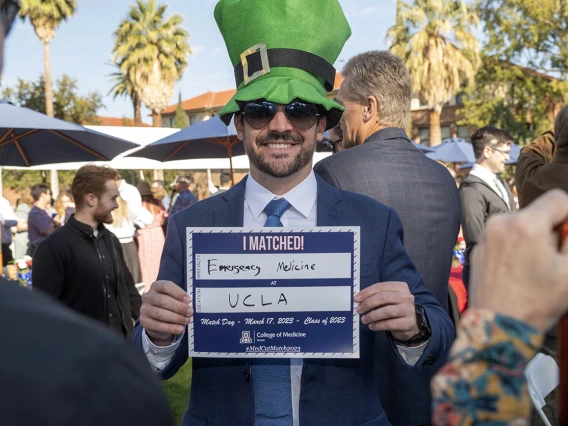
[[282, 51]]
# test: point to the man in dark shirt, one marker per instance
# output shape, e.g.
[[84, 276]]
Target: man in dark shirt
[[63, 369], [40, 223], [225, 180], [184, 186], [81, 264]]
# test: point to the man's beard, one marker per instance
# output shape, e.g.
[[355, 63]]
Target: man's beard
[[282, 168], [101, 215]]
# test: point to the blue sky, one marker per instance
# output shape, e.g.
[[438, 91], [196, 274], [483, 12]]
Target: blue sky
[[83, 44]]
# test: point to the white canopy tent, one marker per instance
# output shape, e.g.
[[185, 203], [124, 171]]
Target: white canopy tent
[[144, 136]]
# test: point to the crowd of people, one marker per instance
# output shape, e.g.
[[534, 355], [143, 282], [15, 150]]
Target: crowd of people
[[139, 221], [418, 364]]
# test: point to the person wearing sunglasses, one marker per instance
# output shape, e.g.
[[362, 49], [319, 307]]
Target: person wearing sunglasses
[[63, 369], [335, 139], [281, 112], [483, 193]]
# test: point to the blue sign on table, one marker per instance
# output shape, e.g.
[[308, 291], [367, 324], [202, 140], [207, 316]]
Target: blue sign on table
[[273, 292]]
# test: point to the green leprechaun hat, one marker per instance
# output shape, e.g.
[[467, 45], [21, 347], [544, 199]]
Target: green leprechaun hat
[[283, 50]]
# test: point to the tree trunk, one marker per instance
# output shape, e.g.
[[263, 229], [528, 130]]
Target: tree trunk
[[158, 174], [435, 129], [156, 119], [137, 112], [48, 87]]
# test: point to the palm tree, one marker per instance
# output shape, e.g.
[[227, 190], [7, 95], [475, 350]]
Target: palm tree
[[124, 87], [45, 16], [434, 39], [152, 51]]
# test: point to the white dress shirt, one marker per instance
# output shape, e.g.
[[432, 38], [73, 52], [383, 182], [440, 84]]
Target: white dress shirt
[[491, 179], [303, 213], [8, 219], [139, 215]]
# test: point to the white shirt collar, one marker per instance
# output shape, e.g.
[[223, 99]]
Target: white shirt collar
[[483, 173], [302, 197]]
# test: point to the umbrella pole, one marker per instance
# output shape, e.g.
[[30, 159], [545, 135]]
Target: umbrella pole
[[54, 177], [230, 151]]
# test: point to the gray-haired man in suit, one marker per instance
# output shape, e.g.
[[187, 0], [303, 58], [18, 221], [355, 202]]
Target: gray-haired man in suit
[[380, 162]]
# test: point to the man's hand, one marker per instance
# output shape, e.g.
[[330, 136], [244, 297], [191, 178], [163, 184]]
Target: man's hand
[[165, 312], [389, 306], [517, 269]]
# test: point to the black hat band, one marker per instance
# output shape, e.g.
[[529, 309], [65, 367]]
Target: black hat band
[[261, 60]]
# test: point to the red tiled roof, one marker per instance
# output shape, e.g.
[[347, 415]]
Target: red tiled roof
[[205, 101], [210, 100], [118, 121]]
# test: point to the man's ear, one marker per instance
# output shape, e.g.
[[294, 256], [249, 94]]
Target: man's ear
[[372, 109], [91, 200], [322, 123], [239, 125]]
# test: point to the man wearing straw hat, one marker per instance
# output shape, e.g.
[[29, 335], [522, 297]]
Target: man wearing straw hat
[[282, 51]]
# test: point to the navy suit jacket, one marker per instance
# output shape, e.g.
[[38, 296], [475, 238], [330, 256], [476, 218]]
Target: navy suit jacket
[[389, 169], [334, 392]]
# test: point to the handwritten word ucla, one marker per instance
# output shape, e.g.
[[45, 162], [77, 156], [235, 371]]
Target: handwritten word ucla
[[273, 242]]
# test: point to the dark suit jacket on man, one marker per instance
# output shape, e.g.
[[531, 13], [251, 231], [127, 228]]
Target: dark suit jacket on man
[[389, 169], [334, 392], [540, 168], [59, 368], [478, 203]]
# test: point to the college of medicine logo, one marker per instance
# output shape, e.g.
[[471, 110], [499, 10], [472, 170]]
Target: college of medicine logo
[[245, 338]]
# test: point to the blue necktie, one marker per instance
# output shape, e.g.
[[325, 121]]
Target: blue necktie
[[271, 377], [274, 211]]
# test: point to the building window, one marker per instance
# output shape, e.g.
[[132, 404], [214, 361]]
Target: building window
[[192, 119], [425, 136], [446, 133], [460, 98], [463, 132], [171, 120]]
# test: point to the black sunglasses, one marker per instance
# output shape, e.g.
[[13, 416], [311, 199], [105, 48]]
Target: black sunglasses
[[301, 115], [8, 11], [332, 144]]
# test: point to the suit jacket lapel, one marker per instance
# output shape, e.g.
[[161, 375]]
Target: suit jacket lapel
[[229, 212], [508, 193], [481, 181], [329, 212]]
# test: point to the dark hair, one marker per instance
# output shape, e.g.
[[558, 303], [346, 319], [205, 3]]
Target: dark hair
[[150, 199], [489, 135], [38, 189], [144, 188], [561, 128], [91, 179], [188, 180], [225, 179]]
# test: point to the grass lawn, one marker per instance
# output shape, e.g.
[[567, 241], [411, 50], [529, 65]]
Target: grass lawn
[[177, 389]]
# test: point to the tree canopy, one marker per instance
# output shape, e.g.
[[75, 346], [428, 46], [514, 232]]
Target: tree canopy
[[435, 40], [181, 121], [152, 50], [68, 104]]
